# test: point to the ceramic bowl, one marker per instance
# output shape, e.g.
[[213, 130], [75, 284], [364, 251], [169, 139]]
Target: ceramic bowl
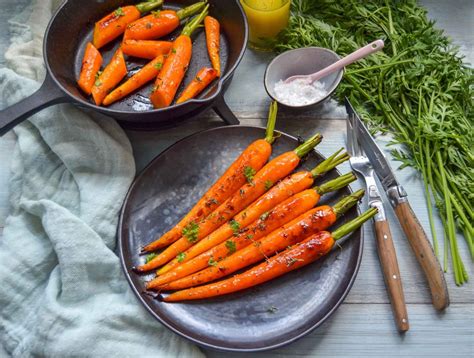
[[302, 61]]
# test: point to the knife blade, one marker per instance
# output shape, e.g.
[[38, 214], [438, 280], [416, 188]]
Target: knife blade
[[411, 226]]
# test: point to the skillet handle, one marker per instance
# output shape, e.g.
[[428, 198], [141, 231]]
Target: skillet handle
[[47, 95], [223, 110]]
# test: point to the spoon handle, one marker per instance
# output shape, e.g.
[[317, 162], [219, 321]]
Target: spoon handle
[[351, 58]]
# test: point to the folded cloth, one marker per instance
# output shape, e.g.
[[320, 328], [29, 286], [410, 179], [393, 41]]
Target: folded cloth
[[62, 290]]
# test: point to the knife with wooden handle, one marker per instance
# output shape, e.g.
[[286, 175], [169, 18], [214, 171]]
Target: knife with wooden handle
[[424, 254], [398, 199], [391, 273]]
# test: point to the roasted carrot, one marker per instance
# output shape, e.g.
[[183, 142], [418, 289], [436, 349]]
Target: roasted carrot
[[176, 64], [205, 76], [91, 63], [160, 23], [254, 156], [278, 216], [212, 28], [312, 221], [302, 254], [114, 24], [113, 73], [146, 74], [146, 49], [283, 190], [258, 183]]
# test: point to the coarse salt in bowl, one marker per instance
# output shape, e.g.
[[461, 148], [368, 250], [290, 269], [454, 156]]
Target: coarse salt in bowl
[[303, 61]]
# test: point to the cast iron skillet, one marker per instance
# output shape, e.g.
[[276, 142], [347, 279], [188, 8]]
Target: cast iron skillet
[[71, 28], [244, 321]]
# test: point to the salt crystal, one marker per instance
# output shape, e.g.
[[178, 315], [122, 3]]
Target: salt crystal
[[299, 92]]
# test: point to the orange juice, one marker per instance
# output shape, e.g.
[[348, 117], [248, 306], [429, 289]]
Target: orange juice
[[266, 19]]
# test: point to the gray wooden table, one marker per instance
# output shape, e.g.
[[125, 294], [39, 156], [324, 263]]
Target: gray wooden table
[[363, 325]]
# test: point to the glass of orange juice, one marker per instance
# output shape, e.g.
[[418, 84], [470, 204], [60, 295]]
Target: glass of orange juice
[[266, 19]]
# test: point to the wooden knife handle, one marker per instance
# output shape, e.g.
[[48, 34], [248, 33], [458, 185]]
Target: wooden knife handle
[[391, 273], [424, 254]]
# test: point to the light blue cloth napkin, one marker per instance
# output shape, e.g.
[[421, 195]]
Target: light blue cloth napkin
[[62, 290]]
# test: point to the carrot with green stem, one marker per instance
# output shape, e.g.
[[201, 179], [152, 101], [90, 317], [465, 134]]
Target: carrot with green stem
[[278, 216], [114, 24], [91, 63], [254, 157], [146, 74], [203, 78], [176, 64], [160, 23], [212, 28], [113, 73], [145, 48], [258, 184], [302, 254], [283, 190], [310, 222]]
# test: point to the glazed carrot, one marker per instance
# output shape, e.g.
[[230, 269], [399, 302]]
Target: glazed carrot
[[212, 28], [146, 74], [278, 216], [258, 184], [113, 73], [91, 63], [254, 156], [205, 76], [302, 254], [283, 190], [146, 49], [310, 222], [114, 24], [160, 23], [176, 65]]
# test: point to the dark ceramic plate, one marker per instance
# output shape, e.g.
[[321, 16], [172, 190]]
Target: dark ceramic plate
[[268, 316]]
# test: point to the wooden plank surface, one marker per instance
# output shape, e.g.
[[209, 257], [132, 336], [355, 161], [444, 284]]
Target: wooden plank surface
[[363, 325]]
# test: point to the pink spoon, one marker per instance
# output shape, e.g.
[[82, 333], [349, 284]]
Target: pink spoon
[[343, 62]]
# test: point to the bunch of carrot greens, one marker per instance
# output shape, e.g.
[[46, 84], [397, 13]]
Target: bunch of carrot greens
[[256, 211], [418, 90]]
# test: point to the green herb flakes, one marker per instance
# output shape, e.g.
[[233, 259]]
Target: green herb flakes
[[268, 184], [119, 12], [230, 245], [150, 257], [212, 262], [264, 216], [180, 257], [249, 173], [158, 65], [235, 226], [191, 232]]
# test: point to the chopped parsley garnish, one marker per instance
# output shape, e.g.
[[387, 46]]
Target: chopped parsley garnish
[[242, 192], [198, 79], [119, 12], [155, 88], [212, 262], [249, 173], [156, 13], [191, 232], [150, 257], [250, 236], [230, 246], [181, 257], [272, 309], [268, 184], [264, 216], [158, 65], [257, 244], [97, 83], [173, 50], [98, 74], [235, 226]]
